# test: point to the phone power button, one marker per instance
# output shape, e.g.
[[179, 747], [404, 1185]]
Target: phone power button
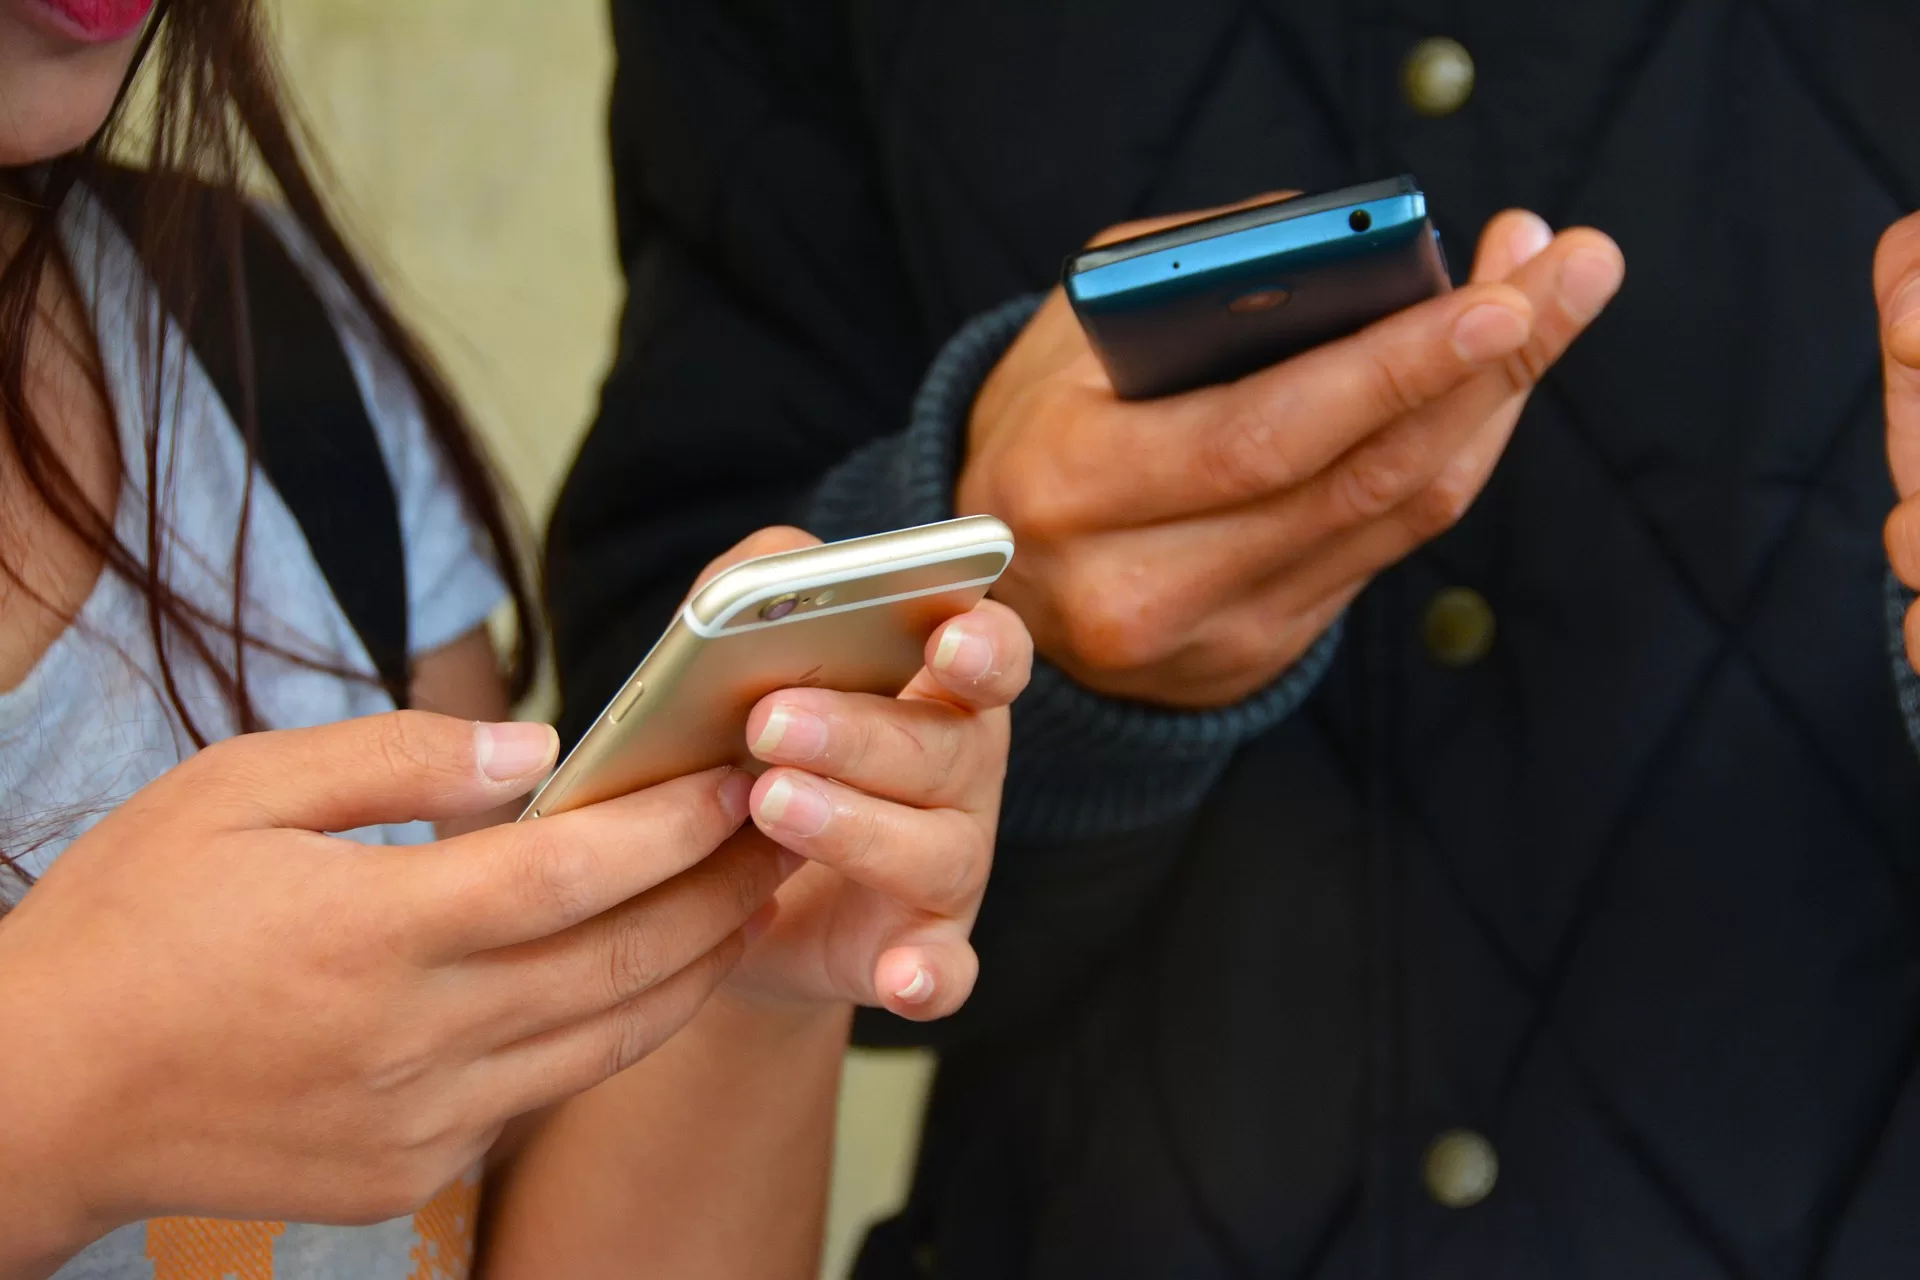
[[624, 703]]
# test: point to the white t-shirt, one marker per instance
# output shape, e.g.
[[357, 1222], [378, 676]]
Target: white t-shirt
[[91, 723]]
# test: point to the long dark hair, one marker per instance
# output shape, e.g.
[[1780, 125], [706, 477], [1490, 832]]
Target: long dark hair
[[217, 111]]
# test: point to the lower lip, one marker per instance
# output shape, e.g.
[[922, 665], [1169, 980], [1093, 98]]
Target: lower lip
[[97, 21]]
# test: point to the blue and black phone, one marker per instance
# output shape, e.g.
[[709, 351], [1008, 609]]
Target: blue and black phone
[[1213, 300]]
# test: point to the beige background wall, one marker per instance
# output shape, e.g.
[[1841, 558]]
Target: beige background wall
[[468, 141]]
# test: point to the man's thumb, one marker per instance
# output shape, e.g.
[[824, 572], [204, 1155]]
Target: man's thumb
[[399, 767]]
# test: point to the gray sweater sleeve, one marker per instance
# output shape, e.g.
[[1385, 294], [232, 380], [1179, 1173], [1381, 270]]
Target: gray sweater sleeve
[[1083, 765], [1906, 682]]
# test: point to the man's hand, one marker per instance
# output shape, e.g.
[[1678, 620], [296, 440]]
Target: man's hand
[[1187, 550], [1896, 284]]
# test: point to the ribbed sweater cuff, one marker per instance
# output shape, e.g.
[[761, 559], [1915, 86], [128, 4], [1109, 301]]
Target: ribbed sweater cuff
[[1906, 682], [1083, 765]]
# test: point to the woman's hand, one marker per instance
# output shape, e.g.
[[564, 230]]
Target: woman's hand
[[893, 803], [211, 1009]]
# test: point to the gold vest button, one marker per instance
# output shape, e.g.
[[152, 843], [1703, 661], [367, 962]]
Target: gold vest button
[[1460, 1169], [1459, 626], [1437, 77]]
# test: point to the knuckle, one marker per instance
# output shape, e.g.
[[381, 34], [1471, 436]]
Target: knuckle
[[1445, 500], [861, 745], [556, 871], [1523, 370], [746, 880], [1033, 505], [961, 867], [947, 749], [407, 744], [395, 1065], [637, 1032], [635, 955], [1109, 623], [1376, 478], [1391, 386], [1246, 456], [859, 833]]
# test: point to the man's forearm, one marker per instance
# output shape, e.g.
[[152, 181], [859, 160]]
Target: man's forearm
[[710, 1158]]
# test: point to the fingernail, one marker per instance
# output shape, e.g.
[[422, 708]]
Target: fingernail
[[796, 735], [1489, 331], [1529, 236], [736, 792], [794, 807], [962, 653], [1588, 280], [919, 991], [514, 750]]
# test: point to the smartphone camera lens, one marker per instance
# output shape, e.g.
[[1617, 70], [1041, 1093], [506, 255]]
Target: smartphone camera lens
[[1359, 219], [776, 609], [1258, 300]]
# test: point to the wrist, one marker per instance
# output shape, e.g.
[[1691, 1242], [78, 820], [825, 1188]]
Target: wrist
[[44, 1214]]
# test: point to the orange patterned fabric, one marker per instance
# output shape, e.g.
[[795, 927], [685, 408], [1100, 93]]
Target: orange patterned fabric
[[446, 1230], [211, 1249]]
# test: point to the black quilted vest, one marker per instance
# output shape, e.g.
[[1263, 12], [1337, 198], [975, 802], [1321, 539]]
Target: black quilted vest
[[1635, 896]]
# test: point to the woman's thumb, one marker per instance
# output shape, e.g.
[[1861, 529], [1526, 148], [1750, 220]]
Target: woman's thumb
[[399, 767]]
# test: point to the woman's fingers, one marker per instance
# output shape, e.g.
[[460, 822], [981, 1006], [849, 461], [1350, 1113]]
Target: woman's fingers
[[527, 880], [625, 952], [928, 860], [558, 1064]]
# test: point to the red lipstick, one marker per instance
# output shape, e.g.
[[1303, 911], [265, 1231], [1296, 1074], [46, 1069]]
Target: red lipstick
[[98, 21]]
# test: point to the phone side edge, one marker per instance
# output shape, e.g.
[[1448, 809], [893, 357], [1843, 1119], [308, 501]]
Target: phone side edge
[[657, 671], [750, 581]]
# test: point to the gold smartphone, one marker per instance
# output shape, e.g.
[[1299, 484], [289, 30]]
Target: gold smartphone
[[854, 616]]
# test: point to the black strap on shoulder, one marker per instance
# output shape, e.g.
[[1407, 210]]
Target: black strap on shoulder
[[313, 437]]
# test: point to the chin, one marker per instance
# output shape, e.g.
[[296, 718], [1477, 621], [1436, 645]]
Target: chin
[[53, 100]]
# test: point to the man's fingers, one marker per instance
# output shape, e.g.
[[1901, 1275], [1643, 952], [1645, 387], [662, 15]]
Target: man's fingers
[[915, 751], [1509, 241], [764, 542], [1903, 541], [1147, 226], [400, 767], [979, 660], [1896, 278], [925, 975], [1415, 477], [526, 880], [1224, 446], [1567, 285], [621, 953]]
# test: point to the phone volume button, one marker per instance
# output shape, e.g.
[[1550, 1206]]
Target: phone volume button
[[624, 703]]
